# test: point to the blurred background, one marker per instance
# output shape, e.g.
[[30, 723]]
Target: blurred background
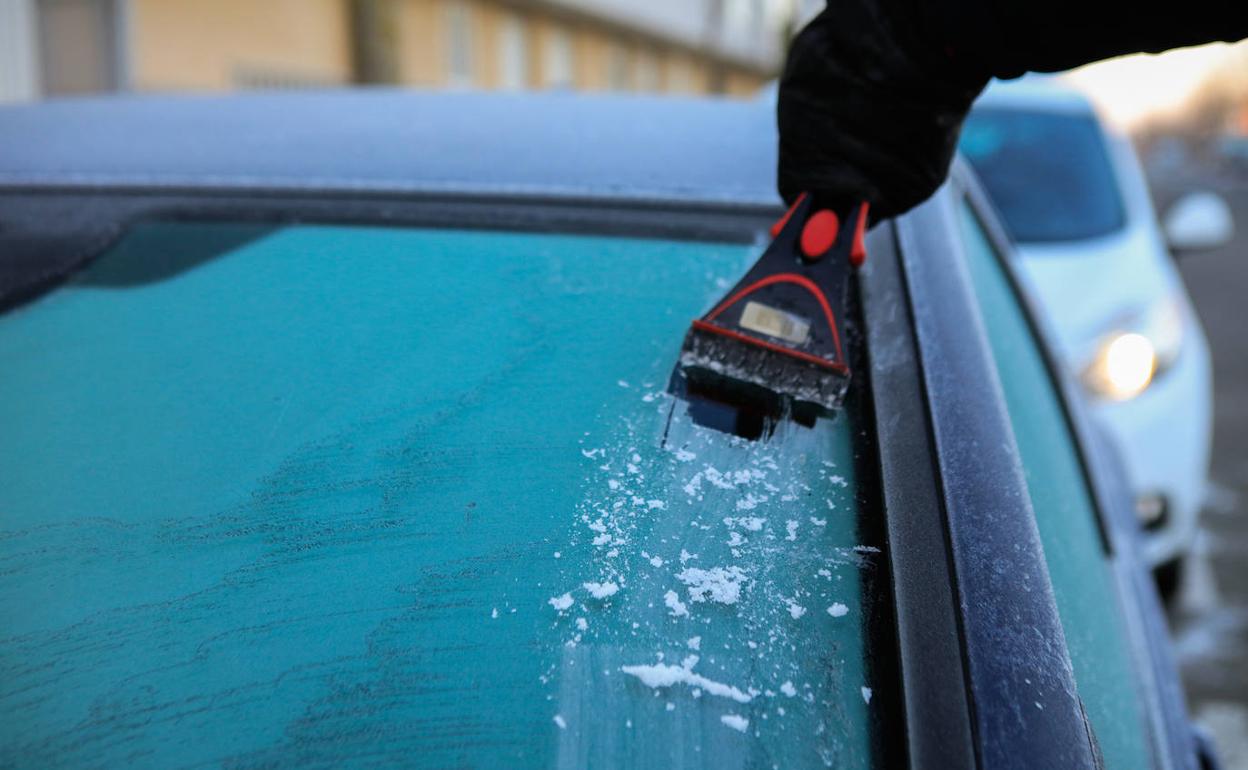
[[1185, 113], [58, 47]]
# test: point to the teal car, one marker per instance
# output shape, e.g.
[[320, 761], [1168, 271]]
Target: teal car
[[336, 434]]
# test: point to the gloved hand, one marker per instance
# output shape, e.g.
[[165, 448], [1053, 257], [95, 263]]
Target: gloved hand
[[868, 109]]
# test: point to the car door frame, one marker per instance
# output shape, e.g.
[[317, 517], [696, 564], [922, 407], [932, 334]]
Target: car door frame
[[982, 504]]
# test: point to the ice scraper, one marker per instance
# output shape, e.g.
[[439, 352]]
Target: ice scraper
[[774, 344]]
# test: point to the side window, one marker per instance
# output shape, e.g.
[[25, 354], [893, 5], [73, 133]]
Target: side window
[[1083, 585]]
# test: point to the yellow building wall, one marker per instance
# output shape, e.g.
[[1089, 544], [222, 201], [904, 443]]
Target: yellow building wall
[[421, 40], [221, 44], [743, 84]]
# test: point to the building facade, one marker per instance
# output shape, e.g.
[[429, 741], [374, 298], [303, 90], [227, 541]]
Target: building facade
[[58, 47]]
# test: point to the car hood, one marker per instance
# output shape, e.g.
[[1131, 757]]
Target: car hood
[[1089, 288]]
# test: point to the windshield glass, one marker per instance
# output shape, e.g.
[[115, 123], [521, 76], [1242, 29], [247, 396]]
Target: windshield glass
[[1048, 173], [337, 495]]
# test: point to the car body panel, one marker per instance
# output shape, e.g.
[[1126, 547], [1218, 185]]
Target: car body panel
[[378, 140]]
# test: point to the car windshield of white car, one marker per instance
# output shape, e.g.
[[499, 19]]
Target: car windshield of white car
[[1048, 173]]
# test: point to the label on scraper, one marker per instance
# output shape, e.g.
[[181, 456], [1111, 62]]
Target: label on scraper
[[760, 318]]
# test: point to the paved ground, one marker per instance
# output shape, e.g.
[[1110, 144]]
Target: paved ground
[[1211, 615]]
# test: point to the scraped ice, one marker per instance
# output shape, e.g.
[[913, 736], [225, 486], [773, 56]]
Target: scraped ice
[[685, 456], [736, 722], [561, 603], [559, 720], [582, 624], [790, 526], [673, 602], [796, 610], [838, 610], [694, 643], [750, 501], [660, 675], [656, 561], [601, 590], [749, 523], [788, 689], [866, 694], [718, 584]]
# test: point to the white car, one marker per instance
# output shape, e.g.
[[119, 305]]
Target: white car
[[1075, 199]]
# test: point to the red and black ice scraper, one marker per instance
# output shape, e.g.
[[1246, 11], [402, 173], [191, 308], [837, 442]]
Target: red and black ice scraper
[[773, 345]]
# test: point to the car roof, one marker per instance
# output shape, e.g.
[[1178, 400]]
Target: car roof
[[613, 146], [1035, 92]]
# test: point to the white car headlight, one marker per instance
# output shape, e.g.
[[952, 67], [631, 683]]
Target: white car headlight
[[1128, 358]]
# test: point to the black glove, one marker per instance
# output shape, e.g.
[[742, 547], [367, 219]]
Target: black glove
[[875, 91], [867, 112]]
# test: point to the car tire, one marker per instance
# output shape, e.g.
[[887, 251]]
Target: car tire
[[1168, 576]]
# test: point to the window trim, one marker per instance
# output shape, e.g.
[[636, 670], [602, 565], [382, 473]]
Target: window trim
[[1110, 493], [934, 688], [1014, 647]]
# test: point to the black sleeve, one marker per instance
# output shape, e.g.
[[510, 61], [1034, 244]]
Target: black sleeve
[[874, 92], [1006, 38]]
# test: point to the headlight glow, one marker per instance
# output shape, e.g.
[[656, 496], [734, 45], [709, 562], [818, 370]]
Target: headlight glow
[[1129, 363], [1127, 360]]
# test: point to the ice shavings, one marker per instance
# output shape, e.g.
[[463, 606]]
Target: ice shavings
[[788, 689], [559, 720], [601, 590], [796, 610], [561, 603], [866, 694], [750, 501], [675, 605], [718, 584], [748, 523], [790, 526], [736, 722], [660, 675], [838, 610]]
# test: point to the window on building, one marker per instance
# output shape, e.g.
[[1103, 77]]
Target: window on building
[[513, 53], [648, 79], [459, 45], [680, 77], [619, 74], [743, 18], [558, 60], [78, 46]]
